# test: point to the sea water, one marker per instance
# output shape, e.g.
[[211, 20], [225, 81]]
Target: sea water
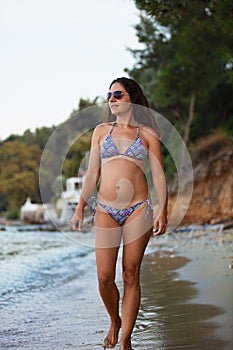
[[48, 291], [39, 261]]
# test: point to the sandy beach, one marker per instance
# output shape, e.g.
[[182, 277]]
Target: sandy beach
[[188, 296], [186, 299]]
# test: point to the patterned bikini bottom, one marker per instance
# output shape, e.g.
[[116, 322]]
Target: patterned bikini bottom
[[121, 215]]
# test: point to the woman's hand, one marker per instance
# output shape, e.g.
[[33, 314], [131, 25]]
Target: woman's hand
[[160, 225], [77, 220]]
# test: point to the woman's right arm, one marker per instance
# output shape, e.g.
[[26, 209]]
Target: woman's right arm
[[90, 182]]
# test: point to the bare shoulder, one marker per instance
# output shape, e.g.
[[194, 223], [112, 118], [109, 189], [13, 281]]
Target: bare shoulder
[[148, 134], [102, 126], [101, 130]]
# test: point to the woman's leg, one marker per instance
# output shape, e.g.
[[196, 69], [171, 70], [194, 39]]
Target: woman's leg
[[133, 251], [108, 236]]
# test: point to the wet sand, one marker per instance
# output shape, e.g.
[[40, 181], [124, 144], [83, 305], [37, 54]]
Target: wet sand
[[186, 302], [187, 295]]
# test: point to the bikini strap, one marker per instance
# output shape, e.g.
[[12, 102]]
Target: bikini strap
[[137, 128], [111, 130]]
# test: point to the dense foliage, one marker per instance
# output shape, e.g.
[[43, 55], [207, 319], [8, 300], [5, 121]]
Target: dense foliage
[[20, 158], [186, 64], [19, 164]]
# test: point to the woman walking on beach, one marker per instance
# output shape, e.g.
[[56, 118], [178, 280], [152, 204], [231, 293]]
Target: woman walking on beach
[[123, 209]]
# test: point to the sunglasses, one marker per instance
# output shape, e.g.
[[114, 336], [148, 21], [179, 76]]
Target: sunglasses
[[116, 94]]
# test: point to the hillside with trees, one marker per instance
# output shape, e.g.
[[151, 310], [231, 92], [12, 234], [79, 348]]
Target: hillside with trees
[[185, 65]]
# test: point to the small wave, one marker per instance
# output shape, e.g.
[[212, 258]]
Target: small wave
[[41, 261]]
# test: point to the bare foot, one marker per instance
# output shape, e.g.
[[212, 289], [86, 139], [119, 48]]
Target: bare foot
[[126, 346], [111, 338]]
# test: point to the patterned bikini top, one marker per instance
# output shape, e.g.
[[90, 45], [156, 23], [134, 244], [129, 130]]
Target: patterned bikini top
[[136, 150]]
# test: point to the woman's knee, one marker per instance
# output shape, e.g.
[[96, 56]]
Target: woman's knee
[[105, 279], [130, 276]]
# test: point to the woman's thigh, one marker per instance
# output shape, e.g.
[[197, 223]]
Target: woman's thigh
[[107, 231], [136, 235], [138, 226], [133, 253], [107, 242]]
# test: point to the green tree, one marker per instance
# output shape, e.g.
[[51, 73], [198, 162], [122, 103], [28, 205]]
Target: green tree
[[42, 135], [21, 156], [186, 59], [75, 160], [39, 137], [19, 166], [68, 145]]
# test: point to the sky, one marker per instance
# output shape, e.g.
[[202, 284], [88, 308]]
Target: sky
[[54, 52]]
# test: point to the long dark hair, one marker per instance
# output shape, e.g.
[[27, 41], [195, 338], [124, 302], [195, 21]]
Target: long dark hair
[[142, 113]]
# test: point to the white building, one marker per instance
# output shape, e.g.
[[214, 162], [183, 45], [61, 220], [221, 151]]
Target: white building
[[47, 213], [69, 199], [73, 189], [37, 213]]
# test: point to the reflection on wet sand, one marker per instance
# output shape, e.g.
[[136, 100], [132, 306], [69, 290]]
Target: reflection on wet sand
[[168, 317]]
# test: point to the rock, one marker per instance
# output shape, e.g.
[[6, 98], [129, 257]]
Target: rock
[[212, 199]]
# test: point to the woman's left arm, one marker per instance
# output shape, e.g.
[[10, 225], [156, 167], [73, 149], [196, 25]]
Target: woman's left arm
[[159, 181]]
